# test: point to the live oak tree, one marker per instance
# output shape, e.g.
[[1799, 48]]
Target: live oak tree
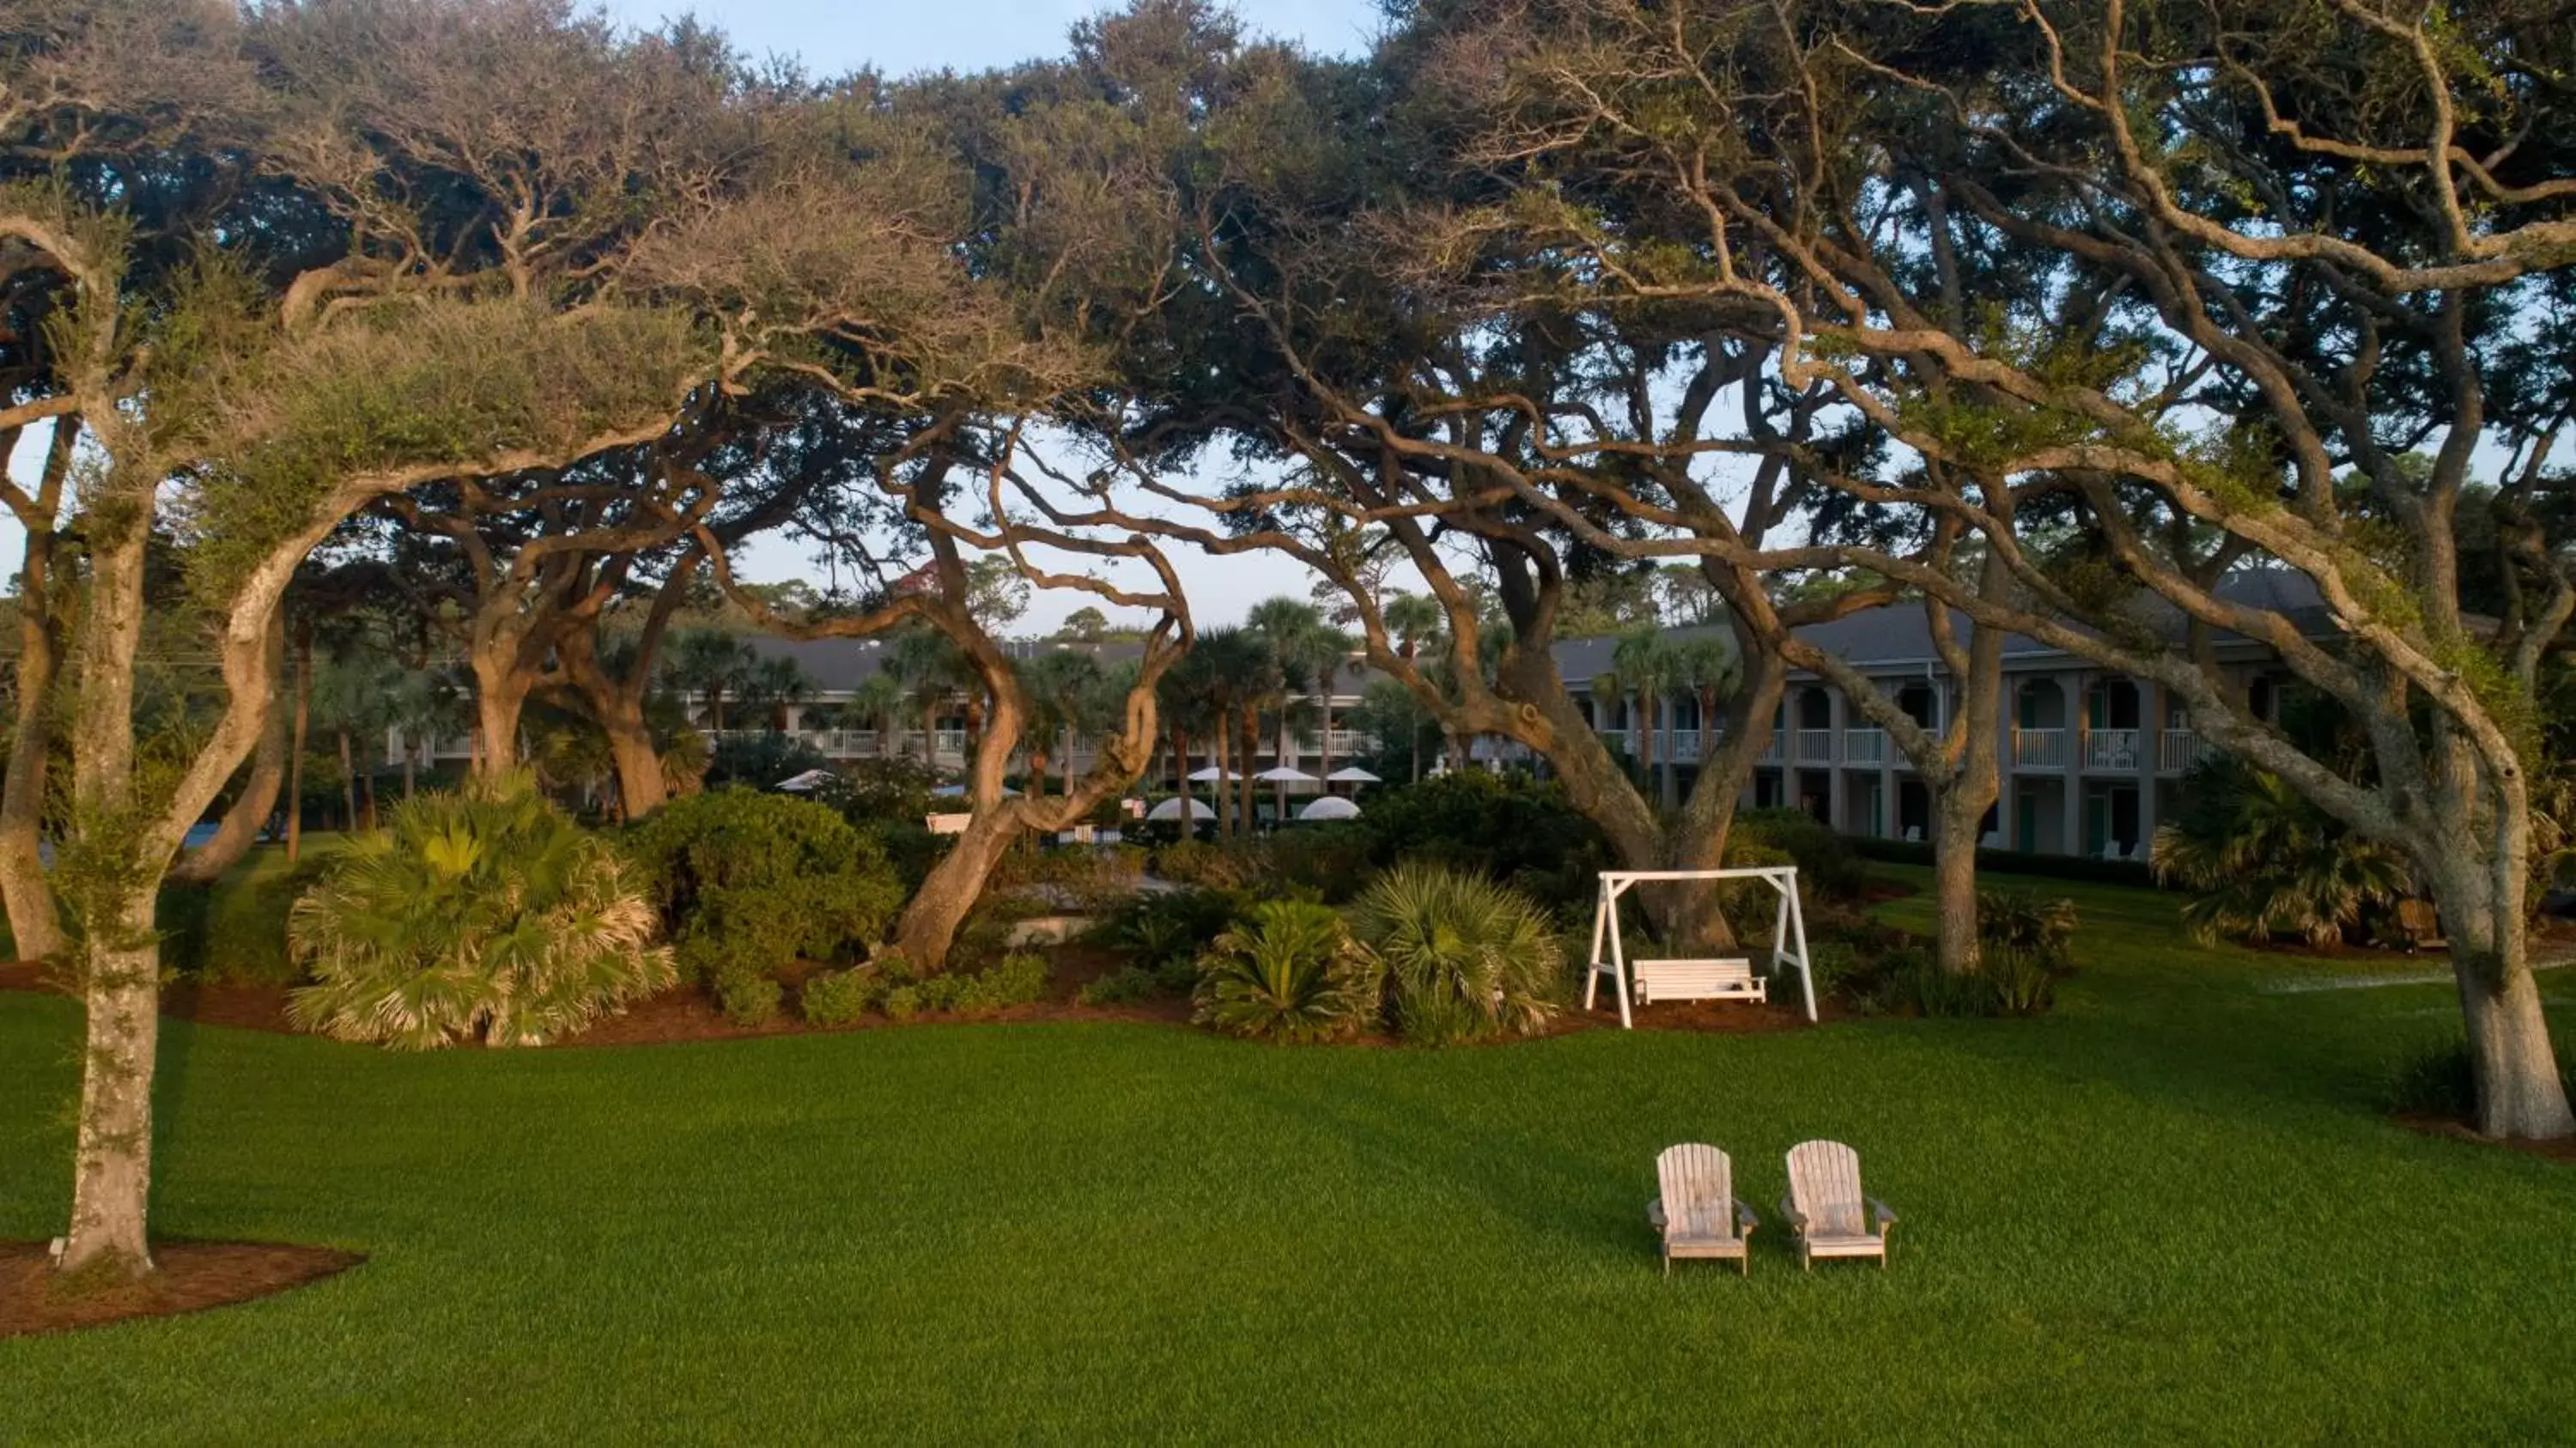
[[300, 334], [2275, 261]]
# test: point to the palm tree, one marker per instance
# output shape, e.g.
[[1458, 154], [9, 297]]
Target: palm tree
[[1642, 666], [881, 702], [2266, 861], [1186, 698], [1054, 685], [928, 666], [707, 664], [1308, 653], [1415, 620], [777, 683], [1707, 666]]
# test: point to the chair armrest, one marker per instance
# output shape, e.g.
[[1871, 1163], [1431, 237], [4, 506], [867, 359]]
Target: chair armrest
[[1884, 1217], [1745, 1221], [1796, 1219]]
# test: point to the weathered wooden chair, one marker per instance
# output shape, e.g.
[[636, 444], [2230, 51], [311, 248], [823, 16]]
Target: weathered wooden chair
[[1699, 1214], [1824, 1203], [2421, 924]]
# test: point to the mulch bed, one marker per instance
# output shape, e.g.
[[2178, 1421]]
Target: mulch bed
[[687, 1014], [192, 1276], [2432, 1125]]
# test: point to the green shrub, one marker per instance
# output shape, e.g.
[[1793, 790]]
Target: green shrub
[[1330, 859], [1288, 971], [1465, 958], [1123, 986], [1233, 865], [484, 914], [1827, 863], [2024, 947], [903, 1003], [1164, 931], [837, 997], [886, 790], [749, 883], [1016, 979], [1510, 827], [747, 997]]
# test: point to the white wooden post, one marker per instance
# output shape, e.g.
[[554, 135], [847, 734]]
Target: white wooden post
[[1619, 959]]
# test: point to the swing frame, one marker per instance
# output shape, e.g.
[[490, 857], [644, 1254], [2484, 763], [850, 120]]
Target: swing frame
[[1788, 923]]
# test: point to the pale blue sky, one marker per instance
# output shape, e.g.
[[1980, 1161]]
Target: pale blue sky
[[915, 35]]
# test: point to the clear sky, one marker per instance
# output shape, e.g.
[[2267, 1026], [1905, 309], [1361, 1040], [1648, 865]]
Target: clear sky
[[904, 36]]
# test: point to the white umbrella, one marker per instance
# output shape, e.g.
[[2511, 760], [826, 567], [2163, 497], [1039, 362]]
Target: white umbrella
[[1285, 774], [810, 780], [1212, 773], [1170, 809], [1330, 807], [1353, 775]]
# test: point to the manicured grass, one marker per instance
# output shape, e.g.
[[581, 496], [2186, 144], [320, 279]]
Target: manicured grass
[[2168, 1213]]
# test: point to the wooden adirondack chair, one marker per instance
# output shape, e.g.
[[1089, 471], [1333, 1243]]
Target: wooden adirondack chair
[[2421, 924], [1824, 1203], [1699, 1214]]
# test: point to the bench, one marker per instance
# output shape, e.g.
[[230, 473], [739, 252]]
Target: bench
[[1697, 980]]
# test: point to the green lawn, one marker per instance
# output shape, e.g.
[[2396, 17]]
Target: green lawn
[[2167, 1213]]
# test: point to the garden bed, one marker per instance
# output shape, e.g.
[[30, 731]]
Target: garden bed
[[193, 1276]]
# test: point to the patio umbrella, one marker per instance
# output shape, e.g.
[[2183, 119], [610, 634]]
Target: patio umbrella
[[1330, 807], [809, 781], [1211, 773], [1170, 809], [1284, 774], [1353, 775]]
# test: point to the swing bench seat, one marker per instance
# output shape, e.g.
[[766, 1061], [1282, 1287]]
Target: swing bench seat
[[1697, 980]]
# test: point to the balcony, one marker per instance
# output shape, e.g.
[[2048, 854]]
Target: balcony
[[2114, 750], [1865, 746], [1778, 749], [2180, 749], [1347, 742], [2039, 748], [847, 743], [1684, 744], [1815, 746]]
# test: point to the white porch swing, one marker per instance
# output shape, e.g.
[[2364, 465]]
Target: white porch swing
[[1722, 979]]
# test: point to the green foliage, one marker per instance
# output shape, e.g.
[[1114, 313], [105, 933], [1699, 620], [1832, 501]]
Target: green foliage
[[903, 1003], [1162, 932], [1827, 864], [234, 930], [837, 997], [1232, 865], [888, 789], [749, 883], [486, 914], [1465, 958], [2439, 1078], [1123, 986], [1287, 972], [1019, 978], [2024, 947], [747, 997], [2264, 861], [1510, 827], [1332, 860]]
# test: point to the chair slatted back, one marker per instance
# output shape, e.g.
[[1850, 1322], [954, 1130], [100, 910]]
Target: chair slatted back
[[1699, 1190], [1824, 1185]]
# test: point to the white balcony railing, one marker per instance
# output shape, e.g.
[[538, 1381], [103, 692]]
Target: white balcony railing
[[2111, 749], [2039, 748], [1347, 742], [1778, 749], [1684, 744], [2180, 750], [847, 743], [1865, 746], [1815, 746]]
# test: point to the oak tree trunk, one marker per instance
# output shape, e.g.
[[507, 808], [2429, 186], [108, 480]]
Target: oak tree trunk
[[2521, 1096], [348, 780], [250, 809], [34, 926], [295, 742], [1954, 880]]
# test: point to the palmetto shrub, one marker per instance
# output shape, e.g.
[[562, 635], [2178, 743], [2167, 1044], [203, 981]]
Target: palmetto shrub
[[486, 914], [2025, 946], [2263, 861], [1464, 958], [1287, 971], [749, 883]]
